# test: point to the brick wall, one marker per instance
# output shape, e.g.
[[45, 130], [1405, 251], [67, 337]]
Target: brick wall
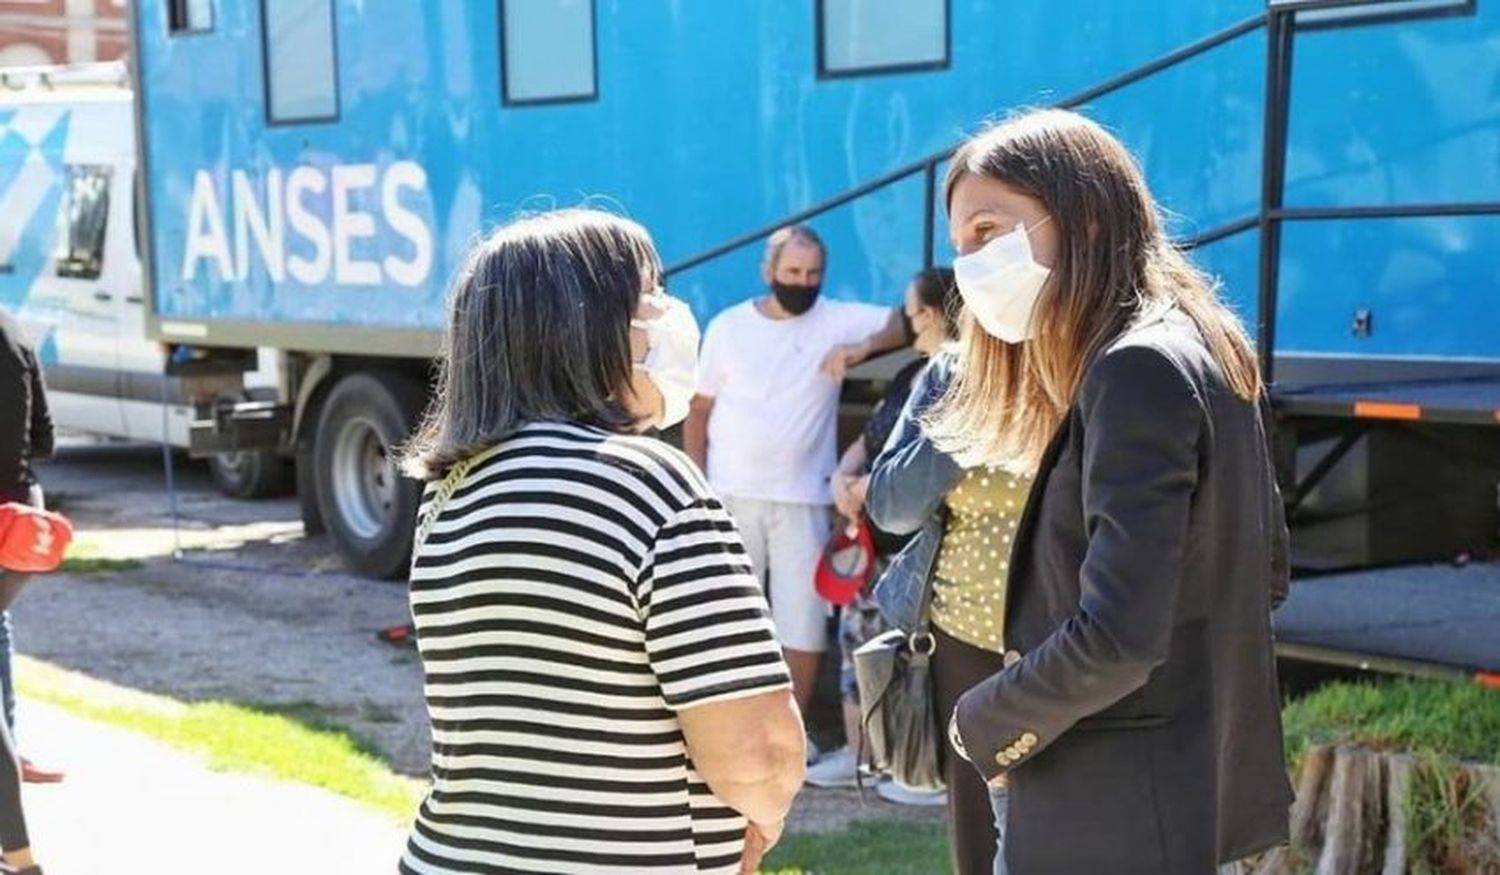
[[62, 31]]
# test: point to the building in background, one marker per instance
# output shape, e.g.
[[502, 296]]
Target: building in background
[[61, 31]]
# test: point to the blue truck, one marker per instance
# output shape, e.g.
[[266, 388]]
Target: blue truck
[[312, 171]]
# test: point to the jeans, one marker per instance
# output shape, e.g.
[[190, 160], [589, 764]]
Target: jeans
[[1000, 801]]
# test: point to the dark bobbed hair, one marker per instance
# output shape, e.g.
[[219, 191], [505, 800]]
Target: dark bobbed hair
[[538, 330]]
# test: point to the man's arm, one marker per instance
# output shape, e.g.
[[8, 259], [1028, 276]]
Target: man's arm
[[695, 431], [891, 335]]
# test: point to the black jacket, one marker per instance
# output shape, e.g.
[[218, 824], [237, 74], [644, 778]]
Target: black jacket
[[25, 424], [1141, 726]]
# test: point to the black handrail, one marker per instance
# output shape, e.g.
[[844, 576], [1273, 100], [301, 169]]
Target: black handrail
[[928, 165]]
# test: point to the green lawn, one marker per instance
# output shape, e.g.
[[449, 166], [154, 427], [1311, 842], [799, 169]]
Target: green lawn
[[301, 743], [885, 847], [1451, 719]]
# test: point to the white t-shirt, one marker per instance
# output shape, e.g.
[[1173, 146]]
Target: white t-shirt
[[772, 433]]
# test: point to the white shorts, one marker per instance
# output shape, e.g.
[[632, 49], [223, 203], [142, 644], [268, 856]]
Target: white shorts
[[785, 542]]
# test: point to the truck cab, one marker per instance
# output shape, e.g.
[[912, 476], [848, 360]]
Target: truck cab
[[70, 267]]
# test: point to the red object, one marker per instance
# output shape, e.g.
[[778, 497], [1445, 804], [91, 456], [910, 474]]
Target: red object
[[32, 539], [847, 564], [34, 774], [398, 635]]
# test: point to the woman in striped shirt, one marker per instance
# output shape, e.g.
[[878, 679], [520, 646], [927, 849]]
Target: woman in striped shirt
[[604, 683]]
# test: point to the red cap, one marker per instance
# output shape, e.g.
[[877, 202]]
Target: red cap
[[32, 539], [847, 564]]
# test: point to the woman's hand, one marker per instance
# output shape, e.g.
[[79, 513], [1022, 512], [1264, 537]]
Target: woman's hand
[[849, 496], [760, 838]]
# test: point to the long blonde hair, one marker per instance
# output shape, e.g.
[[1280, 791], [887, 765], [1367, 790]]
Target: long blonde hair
[[1115, 266]]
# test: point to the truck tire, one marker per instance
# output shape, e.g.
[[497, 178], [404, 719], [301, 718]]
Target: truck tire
[[307, 494], [250, 473], [369, 509]]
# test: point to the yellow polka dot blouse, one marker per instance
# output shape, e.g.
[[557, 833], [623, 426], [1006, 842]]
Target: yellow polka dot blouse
[[968, 596]]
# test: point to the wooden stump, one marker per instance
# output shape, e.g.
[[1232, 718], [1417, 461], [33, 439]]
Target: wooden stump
[[1355, 804], [1397, 784], [1349, 817]]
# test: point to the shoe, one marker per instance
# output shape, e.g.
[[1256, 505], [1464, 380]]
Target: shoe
[[814, 753], [33, 774], [896, 794], [836, 769]]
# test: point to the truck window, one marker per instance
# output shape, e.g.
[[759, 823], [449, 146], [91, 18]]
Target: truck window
[[190, 16], [82, 220], [547, 50], [863, 37], [297, 41]]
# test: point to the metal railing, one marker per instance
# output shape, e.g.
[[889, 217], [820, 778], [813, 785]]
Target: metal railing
[[928, 166], [1281, 23]]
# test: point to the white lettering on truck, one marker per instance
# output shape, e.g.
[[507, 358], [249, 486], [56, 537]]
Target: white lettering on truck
[[347, 193]]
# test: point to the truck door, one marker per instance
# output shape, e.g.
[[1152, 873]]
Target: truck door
[[82, 288]]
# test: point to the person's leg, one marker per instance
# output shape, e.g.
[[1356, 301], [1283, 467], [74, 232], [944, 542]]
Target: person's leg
[[7, 679], [956, 668], [750, 518], [797, 537], [840, 768], [14, 840], [1000, 800]]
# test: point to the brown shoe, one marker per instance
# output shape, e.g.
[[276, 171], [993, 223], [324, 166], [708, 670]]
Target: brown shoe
[[32, 774]]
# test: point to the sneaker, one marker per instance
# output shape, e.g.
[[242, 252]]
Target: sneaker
[[814, 753], [31, 773], [836, 769], [896, 794]]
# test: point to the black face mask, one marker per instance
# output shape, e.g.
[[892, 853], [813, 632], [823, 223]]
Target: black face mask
[[796, 300]]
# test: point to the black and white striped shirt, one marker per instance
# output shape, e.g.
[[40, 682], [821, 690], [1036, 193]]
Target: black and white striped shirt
[[577, 590]]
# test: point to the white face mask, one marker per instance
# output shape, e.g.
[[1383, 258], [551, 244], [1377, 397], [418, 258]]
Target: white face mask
[[1000, 284], [671, 362]]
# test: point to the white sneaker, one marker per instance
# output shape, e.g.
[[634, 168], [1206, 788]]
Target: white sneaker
[[814, 753], [896, 794], [838, 768]]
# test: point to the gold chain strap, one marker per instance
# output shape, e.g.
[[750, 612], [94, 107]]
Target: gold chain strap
[[445, 490]]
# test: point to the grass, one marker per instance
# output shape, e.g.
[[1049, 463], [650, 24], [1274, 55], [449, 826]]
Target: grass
[[1448, 821], [83, 558], [1455, 720], [236, 737], [886, 846], [88, 565]]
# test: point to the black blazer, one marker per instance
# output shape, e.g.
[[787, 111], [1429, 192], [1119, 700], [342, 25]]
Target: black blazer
[[1141, 727]]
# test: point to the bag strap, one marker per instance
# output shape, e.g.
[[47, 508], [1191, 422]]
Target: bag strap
[[924, 614], [445, 490]]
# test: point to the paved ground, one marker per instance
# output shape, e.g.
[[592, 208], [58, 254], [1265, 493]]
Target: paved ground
[[127, 797], [256, 614]]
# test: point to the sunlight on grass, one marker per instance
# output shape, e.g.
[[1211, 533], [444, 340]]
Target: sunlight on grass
[[1453, 719], [85, 556], [236, 737], [886, 846]]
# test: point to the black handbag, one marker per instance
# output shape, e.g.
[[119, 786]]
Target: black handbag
[[894, 674]]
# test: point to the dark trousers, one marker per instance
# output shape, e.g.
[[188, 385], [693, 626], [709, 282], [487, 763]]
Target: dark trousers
[[956, 668]]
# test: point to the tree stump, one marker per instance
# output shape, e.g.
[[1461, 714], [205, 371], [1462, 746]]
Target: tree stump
[[1350, 817]]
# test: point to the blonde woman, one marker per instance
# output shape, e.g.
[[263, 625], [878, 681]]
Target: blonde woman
[[1137, 722]]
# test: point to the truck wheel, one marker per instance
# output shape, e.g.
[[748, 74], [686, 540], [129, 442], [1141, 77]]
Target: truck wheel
[[368, 507], [250, 473]]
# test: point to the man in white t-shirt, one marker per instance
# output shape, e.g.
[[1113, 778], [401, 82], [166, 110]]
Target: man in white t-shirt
[[763, 427]]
